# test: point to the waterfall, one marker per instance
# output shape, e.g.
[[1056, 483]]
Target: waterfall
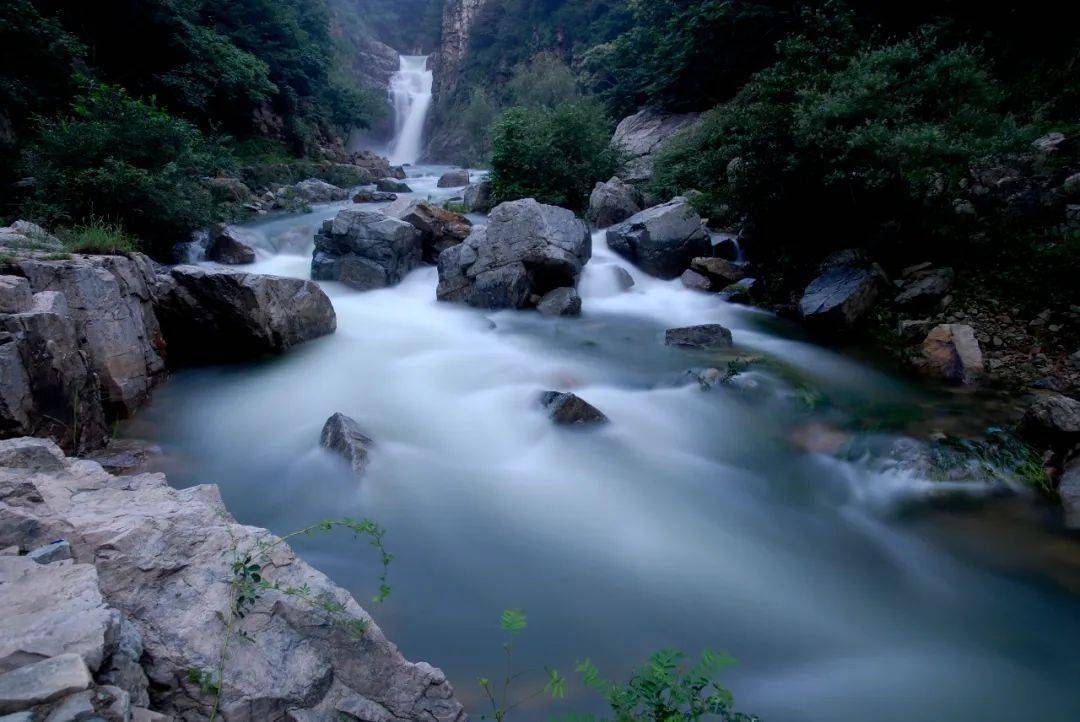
[[410, 94]]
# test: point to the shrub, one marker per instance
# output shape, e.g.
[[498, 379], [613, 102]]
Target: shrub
[[553, 155], [122, 158]]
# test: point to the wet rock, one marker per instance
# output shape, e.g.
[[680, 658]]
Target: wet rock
[[741, 291], [843, 293], [526, 250], [477, 197], [365, 249], [49, 553], [366, 196], [343, 436], [951, 352], [1052, 418], [560, 302], [925, 289], [661, 240], [720, 272], [567, 409], [43, 682], [622, 277], [439, 228], [53, 609], [641, 136], [457, 178], [314, 190], [912, 330], [227, 246], [392, 185], [15, 295], [124, 457], [210, 315], [1069, 492], [613, 202], [706, 337], [695, 281], [373, 164]]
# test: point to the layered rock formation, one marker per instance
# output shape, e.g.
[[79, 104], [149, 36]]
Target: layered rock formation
[[365, 249], [642, 135]]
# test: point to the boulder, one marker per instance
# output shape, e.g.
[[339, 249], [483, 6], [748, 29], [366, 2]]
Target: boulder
[[526, 250], [53, 609], [742, 291], [613, 202], [365, 249], [227, 246], [439, 228], [366, 196], [343, 436], [43, 682], [567, 409], [951, 352], [843, 293], [314, 190], [1052, 418], [372, 163], [923, 290], [477, 197], [706, 337], [392, 185], [1049, 143], [641, 136], [661, 240], [457, 178], [15, 294], [26, 236], [563, 301], [164, 558], [721, 272], [210, 315], [695, 281]]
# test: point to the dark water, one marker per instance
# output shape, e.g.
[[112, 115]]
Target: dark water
[[690, 521]]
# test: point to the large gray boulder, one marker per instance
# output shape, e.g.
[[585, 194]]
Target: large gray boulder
[[706, 337], [642, 135], [343, 436], [365, 249], [43, 682], [314, 190], [229, 245], [613, 202], [952, 353], [392, 185], [662, 240], [526, 250], [210, 315], [843, 293], [924, 289], [1053, 418], [454, 179], [164, 559], [439, 228], [478, 196]]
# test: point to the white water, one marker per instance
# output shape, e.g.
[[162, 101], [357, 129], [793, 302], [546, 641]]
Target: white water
[[689, 521], [410, 95]]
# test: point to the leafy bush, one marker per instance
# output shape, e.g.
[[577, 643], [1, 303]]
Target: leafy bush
[[122, 158], [553, 155]]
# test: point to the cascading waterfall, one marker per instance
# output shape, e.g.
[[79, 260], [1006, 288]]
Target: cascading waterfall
[[410, 94]]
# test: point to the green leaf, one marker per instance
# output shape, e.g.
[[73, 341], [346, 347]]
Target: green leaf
[[513, 620]]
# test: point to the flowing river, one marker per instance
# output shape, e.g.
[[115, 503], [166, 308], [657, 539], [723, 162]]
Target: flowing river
[[847, 590]]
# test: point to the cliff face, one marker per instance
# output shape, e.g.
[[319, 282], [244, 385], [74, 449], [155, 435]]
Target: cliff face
[[457, 23]]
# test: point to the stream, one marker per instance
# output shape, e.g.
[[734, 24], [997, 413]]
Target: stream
[[846, 590]]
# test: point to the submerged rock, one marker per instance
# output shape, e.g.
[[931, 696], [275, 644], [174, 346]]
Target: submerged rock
[[951, 352], [706, 337], [843, 294], [662, 240], [343, 436], [526, 250], [454, 179], [567, 409], [392, 185], [365, 249], [123, 457], [560, 302], [613, 202], [439, 228]]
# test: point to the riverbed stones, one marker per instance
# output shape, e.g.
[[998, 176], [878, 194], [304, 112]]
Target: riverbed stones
[[695, 281], [613, 202], [439, 228], [392, 185], [369, 196], [952, 353], [43, 682], [1052, 418], [366, 249], [227, 245], [641, 136], [343, 436], [214, 315], [705, 337], [567, 409], [662, 240], [457, 178], [563, 301], [924, 289], [526, 250], [477, 197], [843, 293]]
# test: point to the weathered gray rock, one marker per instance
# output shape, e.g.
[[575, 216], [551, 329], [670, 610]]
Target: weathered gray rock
[[454, 179], [951, 352], [49, 553], [912, 330], [375, 165], [695, 281], [1049, 143], [706, 337], [314, 190], [622, 277], [210, 315], [1053, 418], [613, 202], [567, 409], [392, 185], [526, 250], [924, 290], [439, 228], [742, 291], [844, 292], [477, 197], [1069, 492], [721, 272], [365, 249], [26, 236], [343, 436], [53, 609], [366, 196], [642, 135], [563, 301], [123, 668], [227, 245], [123, 457], [42, 682], [164, 559], [662, 240], [15, 295]]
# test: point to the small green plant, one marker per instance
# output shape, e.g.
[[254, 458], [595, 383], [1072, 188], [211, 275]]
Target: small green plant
[[513, 622], [667, 690], [98, 236], [456, 207]]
